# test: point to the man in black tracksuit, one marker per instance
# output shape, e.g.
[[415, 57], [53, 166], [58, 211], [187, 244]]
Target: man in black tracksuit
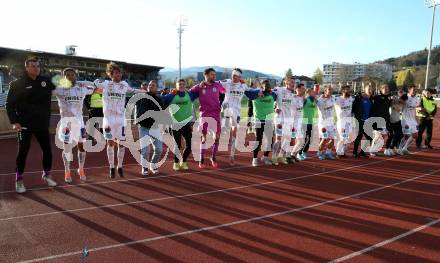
[[381, 109], [362, 105], [29, 108]]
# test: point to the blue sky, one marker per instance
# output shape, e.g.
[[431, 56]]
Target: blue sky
[[268, 36]]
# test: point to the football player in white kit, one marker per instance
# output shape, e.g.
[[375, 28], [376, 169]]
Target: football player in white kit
[[284, 129], [235, 89], [114, 123], [298, 122], [326, 124], [409, 122], [70, 95], [344, 124]]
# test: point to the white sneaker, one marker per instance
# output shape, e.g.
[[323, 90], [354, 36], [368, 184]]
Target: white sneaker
[[67, 180], [386, 152], [19, 187], [154, 171], [48, 179], [255, 162], [373, 154], [82, 175], [145, 172]]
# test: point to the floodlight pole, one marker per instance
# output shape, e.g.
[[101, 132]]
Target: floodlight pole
[[180, 30], [430, 45]]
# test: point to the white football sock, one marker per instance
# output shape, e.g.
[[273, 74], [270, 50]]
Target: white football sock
[[276, 148], [111, 156], [233, 146], [408, 143], [67, 158], [81, 159], [121, 153]]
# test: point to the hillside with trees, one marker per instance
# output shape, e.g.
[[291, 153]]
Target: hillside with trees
[[411, 69], [414, 59]]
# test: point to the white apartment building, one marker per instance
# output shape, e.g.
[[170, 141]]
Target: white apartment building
[[338, 72]]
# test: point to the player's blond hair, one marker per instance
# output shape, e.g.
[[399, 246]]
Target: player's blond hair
[[111, 67]]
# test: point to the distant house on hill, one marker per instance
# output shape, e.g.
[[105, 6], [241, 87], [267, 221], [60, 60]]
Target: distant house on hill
[[308, 82]]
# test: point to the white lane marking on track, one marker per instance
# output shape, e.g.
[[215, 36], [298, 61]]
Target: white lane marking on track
[[249, 220], [186, 195], [164, 176], [99, 167], [24, 232], [385, 242], [122, 180], [127, 180]]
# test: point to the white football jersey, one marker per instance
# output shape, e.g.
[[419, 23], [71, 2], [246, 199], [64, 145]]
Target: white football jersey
[[299, 107], [326, 108], [286, 102], [114, 96], [409, 109], [234, 93], [343, 107], [71, 100]]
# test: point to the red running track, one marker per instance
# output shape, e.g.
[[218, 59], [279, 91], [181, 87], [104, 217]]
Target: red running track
[[355, 210]]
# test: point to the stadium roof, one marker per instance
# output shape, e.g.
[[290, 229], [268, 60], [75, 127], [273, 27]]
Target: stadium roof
[[4, 51]]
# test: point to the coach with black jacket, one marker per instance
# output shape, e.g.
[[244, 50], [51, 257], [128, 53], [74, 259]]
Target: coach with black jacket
[[381, 106], [381, 109], [28, 107], [362, 108], [149, 131]]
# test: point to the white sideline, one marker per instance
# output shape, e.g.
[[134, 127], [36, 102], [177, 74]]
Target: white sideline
[[99, 167], [120, 180], [385, 242], [231, 223], [186, 195], [165, 176]]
